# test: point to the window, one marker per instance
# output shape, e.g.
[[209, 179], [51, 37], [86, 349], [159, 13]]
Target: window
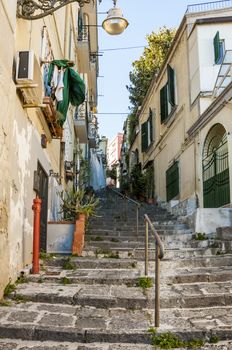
[[147, 132], [168, 95], [172, 181], [219, 49]]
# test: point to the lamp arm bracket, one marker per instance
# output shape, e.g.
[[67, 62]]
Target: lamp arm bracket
[[28, 9]]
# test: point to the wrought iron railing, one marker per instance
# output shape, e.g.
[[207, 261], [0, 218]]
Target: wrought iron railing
[[209, 6], [159, 254]]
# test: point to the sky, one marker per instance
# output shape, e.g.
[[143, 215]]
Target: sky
[[144, 16]]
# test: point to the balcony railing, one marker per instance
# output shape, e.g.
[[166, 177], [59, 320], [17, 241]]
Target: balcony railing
[[209, 6]]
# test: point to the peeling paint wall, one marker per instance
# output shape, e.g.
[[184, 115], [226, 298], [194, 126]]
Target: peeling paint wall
[[20, 137], [7, 96]]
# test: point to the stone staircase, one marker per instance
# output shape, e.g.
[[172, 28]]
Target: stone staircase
[[96, 301]]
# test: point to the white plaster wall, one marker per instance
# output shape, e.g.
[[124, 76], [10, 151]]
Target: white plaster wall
[[208, 219], [7, 93], [208, 69], [25, 152]]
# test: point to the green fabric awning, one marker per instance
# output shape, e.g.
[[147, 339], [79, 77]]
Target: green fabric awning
[[74, 89]]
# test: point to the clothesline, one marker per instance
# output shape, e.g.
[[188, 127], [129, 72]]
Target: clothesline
[[69, 63]]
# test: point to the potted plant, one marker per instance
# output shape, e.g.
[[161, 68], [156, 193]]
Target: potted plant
[[138, 183], [149, 181], [78, 206]]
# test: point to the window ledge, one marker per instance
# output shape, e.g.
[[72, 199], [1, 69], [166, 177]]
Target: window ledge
[[171, 115]]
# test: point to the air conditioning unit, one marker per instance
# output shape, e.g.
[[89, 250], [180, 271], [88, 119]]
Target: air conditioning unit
[[29, 78]]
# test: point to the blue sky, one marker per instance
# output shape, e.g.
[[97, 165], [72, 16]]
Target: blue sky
[[144, 16]]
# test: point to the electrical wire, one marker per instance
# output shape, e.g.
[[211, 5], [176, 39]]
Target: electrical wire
[[122, 48]]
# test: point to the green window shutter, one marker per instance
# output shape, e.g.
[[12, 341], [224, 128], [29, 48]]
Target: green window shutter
[[151, 124], [80, 22], [171, 85], [216, 43], [164, 103], [144, 136], [172, 181]]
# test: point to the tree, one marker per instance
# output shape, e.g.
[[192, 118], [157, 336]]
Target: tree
[[149, 64]]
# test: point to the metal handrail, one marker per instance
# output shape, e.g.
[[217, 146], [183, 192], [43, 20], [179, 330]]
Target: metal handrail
[[138, 205], [158, 256]]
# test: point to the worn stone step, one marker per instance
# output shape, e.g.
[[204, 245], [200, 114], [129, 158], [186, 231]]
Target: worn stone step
[[11, 344], [89, 276], [75, 324], [209, 261], [90, 263], [182, 256], [198, 275], [99, 296], [106, 245], [128, 297], [129, 231], [36, 321]]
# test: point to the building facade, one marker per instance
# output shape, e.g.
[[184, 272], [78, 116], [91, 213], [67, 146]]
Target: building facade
[[184, 122], [39, 155]]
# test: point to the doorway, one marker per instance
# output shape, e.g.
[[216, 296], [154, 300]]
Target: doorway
[[43, 195], [216, 182]]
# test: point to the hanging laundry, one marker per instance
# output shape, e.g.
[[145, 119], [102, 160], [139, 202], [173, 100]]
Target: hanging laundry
[[60, 85], [73, 90], [54, 80]]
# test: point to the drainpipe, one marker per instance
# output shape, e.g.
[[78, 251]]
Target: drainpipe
[[36, 234]]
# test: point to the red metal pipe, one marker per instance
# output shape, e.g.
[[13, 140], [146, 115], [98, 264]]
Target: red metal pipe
[[36, 234]]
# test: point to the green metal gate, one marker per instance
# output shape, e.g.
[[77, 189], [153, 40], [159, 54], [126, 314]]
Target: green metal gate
[[216, 185]]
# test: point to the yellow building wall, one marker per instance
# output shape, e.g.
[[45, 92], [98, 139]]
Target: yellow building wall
[[20, 134]]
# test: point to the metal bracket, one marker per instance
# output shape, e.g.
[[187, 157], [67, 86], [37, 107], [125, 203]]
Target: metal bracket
[[35, 9]]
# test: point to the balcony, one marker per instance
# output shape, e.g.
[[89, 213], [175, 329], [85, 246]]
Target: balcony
[[50, 115], [209, 6], [80, 123], [84, 50]]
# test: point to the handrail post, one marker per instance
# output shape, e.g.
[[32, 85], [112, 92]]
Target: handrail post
[[157, 286], [137, 222], [126, 211], [146, 248]]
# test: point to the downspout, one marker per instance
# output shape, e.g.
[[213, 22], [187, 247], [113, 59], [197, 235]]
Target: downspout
[[195, 170]]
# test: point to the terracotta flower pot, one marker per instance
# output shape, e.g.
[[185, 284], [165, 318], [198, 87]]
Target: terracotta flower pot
[[79, 235]]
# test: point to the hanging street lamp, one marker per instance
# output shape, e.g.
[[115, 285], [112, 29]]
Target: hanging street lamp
[[115, 23]]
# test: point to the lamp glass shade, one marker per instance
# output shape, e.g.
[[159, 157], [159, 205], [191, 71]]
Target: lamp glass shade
[[115, 23]]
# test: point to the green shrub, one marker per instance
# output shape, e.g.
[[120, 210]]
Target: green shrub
[[65, 280], [10, 288], [198, 236], [145, 282], [68, 265]]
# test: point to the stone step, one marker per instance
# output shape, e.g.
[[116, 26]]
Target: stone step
[[106, 245], [56, 322], [89, 263], [11, 344], [209, 261], [182, 256], [76, 324], [128, 297], [89, 276], [129, 231], [198, 275]]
